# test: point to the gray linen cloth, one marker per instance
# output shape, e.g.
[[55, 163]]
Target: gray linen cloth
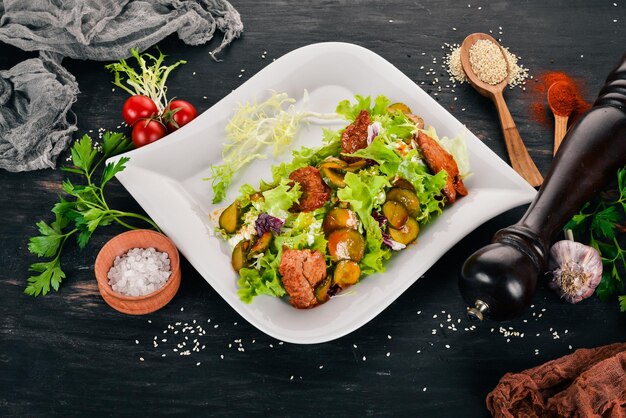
[[36, 123]]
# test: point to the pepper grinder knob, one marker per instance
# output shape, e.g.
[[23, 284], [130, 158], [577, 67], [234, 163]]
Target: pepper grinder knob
[[499, 280], [478, 310]]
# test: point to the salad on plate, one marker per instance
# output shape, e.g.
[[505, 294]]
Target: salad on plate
[[336, 213]]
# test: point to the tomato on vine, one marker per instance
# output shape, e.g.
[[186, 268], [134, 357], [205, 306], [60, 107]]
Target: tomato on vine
[[138, 107], [146, 131], [178, 114]]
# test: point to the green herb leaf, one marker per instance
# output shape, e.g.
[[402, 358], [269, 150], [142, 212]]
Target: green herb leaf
[[47, 243], [112, 169], [604, 222], [83, 153], [611, 282], [115, 143], [50, 275], [72, 170], [83, 238], [622, 303]]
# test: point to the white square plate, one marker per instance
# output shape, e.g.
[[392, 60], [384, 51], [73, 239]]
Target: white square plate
[[166, 179]]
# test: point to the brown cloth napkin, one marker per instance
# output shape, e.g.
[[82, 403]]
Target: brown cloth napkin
[[586, 383]]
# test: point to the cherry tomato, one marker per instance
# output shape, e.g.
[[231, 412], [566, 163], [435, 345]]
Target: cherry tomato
[[138, 107], [181, 113], [146, 131]]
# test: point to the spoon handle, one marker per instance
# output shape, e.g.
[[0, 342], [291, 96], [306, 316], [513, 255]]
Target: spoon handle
[[560, 128], [518, 154]]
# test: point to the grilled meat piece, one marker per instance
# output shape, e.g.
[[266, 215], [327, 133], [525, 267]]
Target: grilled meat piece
[[302, 271], [438, 159], [315, 193], [354, 137]]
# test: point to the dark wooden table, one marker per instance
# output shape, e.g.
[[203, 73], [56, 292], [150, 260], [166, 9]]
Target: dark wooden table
[[68, 353]]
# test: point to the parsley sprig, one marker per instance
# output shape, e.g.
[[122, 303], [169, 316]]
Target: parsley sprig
[[603, 219], [85, 210]]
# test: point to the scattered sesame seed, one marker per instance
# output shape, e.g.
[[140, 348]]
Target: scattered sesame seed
[[388, 354], [447, 345], [364, 358], [198, 363], [136, 341], [182, 309], [424, 390], [321, 367], [141, 359]]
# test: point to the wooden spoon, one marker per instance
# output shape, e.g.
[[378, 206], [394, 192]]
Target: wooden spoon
[[518, 154], [560, 120]]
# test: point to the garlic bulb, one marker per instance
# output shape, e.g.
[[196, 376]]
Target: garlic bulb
[[576, 270]]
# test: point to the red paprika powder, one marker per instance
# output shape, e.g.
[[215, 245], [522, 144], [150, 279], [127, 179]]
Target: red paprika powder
[[566, 99], [562, 98]]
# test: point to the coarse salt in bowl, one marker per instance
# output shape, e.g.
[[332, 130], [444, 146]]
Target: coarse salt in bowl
[[138, 271]]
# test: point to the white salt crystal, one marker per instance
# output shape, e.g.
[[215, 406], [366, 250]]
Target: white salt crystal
[[139, 272]]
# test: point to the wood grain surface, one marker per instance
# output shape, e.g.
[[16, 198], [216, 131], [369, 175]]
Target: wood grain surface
[[70, 354]]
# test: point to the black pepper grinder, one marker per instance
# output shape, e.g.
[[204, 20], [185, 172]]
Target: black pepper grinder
[[499, 280]]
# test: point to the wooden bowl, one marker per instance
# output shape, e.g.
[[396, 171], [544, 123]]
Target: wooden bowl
[[119, 245]]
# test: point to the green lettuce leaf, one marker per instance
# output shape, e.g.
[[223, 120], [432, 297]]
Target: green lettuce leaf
[[350, 111], [279, 199], [387, 159], [253, 283]]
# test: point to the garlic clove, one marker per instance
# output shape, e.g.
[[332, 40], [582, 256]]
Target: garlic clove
[[576, 270]]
